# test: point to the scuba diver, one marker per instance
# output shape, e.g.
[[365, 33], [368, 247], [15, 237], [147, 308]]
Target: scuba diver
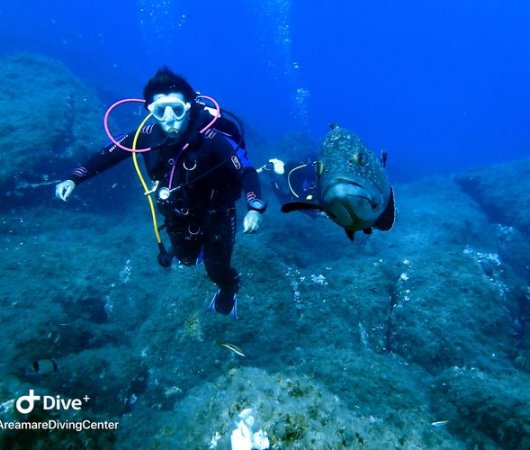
[[293, 181], [199, 166]]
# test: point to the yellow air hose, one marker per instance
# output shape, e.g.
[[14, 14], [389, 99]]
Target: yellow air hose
[[147, 192]]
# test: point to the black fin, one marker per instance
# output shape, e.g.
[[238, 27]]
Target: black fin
[[386, 220], [384, 157], [349, 233], [367, 230], [297, 206]]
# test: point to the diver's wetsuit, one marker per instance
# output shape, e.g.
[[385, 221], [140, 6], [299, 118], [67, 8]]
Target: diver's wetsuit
[[298, 183], [200, 216]]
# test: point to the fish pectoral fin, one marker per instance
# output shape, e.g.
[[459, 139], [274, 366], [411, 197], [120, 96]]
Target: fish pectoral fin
[[386, 220], [350, 234], [383, 158], [299, 206], [319, 167]]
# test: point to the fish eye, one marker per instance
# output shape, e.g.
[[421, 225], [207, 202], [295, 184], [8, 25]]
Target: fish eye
[[358, 157]]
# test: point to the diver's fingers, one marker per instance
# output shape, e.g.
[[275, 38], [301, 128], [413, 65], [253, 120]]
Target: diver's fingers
[[251, 222], [59, 192]]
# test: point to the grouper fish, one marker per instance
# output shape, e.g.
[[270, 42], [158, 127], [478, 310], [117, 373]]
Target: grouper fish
[[353, 188]]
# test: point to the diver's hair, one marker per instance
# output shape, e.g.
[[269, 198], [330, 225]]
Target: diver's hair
[[166, 81]]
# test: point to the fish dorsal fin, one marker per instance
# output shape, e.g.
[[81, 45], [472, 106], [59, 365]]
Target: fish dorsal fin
[[299, 206], [386, 220]]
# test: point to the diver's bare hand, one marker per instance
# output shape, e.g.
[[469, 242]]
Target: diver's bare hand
[[251, 222], [64, 189]]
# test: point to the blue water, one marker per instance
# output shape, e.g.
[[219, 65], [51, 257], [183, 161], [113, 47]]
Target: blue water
[[442, 85]]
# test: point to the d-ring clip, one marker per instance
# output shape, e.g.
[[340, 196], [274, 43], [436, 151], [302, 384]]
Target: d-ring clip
[[192, 232], [189, 168]]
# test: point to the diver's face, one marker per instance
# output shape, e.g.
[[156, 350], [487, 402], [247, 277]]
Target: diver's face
[[172, 112]]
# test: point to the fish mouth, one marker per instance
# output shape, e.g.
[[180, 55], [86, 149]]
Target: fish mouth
[[350, 203], [343, 188]]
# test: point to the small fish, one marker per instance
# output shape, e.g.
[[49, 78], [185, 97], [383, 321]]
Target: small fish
[[440, 423], [233, 348], [42, 367]]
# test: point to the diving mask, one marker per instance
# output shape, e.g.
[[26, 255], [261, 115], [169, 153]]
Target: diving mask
[[169, 107]]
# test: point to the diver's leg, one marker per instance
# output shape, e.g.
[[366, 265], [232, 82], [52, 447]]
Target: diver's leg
[[218, 246], [186, 241]]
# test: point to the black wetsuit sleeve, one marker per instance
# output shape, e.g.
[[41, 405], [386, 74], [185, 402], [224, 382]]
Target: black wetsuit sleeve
[[238, 163], [281, 188], [252, 187], [107, 157]]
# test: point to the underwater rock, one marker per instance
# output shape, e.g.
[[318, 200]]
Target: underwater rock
[[347, 323], [435, 212], [447, 311], [53, 117], [486, 410], [111, 376], [450, 293], [296, 412], [514, 249], [503, 191]]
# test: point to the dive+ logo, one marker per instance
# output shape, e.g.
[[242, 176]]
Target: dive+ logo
[[25, 404]]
